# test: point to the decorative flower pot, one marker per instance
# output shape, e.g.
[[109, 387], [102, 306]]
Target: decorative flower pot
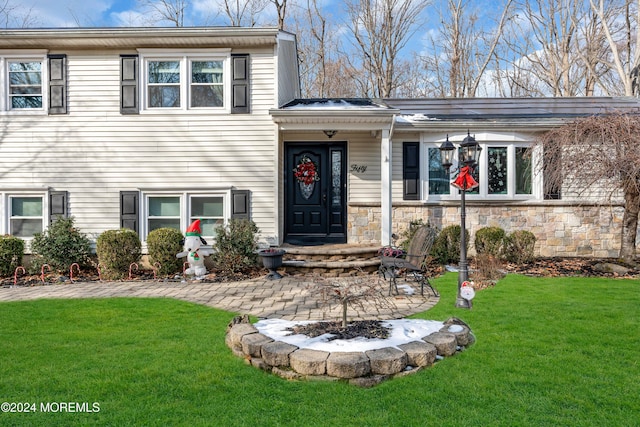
[[272, 260]]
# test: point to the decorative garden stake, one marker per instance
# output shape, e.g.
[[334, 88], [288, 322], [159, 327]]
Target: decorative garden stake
[[42, 272], [130, 269], [15, 274], [195, 255], [75, 264]]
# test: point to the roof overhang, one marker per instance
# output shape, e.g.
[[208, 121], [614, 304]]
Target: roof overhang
[[133, 38], [334, 114]]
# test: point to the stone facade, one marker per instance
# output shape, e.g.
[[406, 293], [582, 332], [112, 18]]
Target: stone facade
[[561, 229]]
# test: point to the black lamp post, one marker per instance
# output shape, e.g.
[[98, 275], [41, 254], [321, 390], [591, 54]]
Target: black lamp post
[[469, 153]]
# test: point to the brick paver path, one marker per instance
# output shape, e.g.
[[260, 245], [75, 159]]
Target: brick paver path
[[287, 298]]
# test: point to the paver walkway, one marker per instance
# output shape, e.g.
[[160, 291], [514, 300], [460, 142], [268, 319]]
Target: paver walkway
[[287, 298]]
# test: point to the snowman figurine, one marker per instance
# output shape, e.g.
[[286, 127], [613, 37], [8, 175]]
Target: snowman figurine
[[195, 255]]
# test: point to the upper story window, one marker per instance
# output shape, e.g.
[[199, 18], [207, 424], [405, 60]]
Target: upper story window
[[25, 84], [197, 80], [504, 171]]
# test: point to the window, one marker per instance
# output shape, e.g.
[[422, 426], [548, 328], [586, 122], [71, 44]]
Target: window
[[26, 215], [25, 84], [197, 80], [504, 171], [179, 210]]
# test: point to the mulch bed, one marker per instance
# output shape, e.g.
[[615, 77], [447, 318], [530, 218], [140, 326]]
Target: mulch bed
[[360, 328]]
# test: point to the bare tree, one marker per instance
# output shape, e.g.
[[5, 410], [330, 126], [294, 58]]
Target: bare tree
[[461, 51], [381, 29], [547, 45], [620, 20], [14, 15], [281, 10], [599, 152], [243, 13], [172, 11]]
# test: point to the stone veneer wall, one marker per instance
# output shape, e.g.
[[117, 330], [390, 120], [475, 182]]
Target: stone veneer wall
[[563, 230]]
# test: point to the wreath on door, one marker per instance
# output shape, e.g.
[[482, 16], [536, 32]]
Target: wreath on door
[[306, 171]]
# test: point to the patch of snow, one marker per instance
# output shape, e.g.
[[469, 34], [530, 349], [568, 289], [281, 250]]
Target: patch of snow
[[455, 328], [412, 118], [408, 290], [402, 331], [335, 105]]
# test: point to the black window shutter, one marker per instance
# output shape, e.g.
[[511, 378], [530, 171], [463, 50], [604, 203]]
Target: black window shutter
[[240, 204], [57, 84], [411, 171], [58, 205], [129, 84], [129, 210], [240, 97]]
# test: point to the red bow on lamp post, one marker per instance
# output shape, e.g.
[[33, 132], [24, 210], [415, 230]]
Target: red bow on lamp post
[[465, 181]]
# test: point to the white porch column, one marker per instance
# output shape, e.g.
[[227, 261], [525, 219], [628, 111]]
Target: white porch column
[[385, 178]]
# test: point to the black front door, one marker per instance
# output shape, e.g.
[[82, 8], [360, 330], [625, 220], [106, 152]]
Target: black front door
[[315, 187]]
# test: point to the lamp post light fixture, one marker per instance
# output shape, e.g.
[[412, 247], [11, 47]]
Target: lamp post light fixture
[[469, 153]]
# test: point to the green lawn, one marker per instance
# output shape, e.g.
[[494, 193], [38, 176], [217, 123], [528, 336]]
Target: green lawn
[[549, 352]]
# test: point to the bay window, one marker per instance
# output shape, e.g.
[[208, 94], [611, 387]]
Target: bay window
[[504, 171]]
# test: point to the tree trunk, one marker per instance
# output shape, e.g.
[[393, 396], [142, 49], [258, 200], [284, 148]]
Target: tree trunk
[[630, 224]]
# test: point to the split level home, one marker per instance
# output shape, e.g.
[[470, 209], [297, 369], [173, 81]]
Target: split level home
[[155, 127]]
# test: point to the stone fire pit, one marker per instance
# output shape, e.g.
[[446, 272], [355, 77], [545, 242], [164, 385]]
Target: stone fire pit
[[366, 368]]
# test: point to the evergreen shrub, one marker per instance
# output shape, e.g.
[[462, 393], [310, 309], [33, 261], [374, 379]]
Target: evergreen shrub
[[235, 247], [490, 241], [519, 247], [117, 250], [11, 253], [163, 244], [60, 246], [446, 248]]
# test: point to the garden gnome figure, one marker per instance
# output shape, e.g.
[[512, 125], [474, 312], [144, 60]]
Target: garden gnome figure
[[195, 255]]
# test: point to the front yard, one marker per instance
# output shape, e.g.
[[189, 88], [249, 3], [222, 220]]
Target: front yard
[[549, 351]]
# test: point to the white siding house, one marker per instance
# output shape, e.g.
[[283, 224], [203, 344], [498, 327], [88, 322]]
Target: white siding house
[[141, 128]]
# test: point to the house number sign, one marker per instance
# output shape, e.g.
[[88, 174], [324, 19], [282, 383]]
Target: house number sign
[[358, 168]]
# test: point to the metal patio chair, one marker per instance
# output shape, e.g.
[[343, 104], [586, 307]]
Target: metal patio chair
[[412, 266]]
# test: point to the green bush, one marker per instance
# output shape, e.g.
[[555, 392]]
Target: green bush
[[11, 252], [446, 248], [163, 245], [60, 246], [117, 250], [490, 241], [519, 247], [235, 247]]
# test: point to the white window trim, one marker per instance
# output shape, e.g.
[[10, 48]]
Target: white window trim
[[486, 141], [185, 206], [185, 57], [6, 209], [12, 56]]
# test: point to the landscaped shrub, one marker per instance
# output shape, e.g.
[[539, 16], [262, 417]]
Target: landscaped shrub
[[163, 245], [11, 252], [519, 247], [60, 246], [490, 240], [117, 250], [446, 248], [235, 247]]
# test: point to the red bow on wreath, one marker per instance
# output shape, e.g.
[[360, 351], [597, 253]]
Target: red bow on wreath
[[464, 181]]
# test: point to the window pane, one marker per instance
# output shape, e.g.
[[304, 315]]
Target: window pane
[[25, 227], [438, 176], [164, 96], [523, 171], [164, 71], [497, 170], [206, 96], [156, 223], [26, 206], [208, 226], [207, 207], [206, 72], [475, 173], [164, 206]]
